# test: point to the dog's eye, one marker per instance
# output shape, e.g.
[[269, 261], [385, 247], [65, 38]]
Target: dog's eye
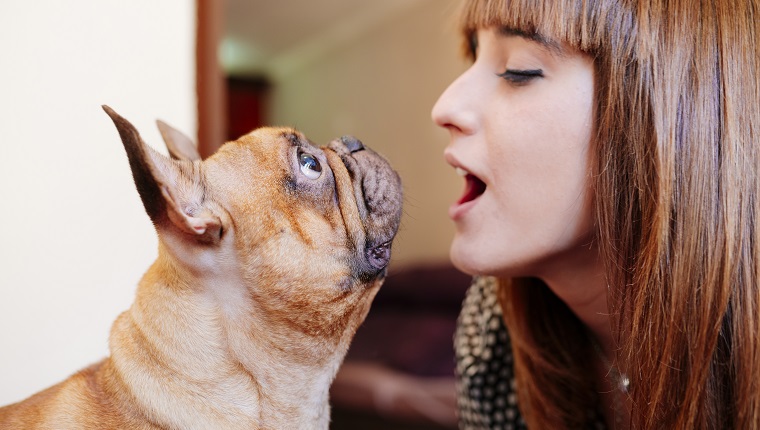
[[310, 166]]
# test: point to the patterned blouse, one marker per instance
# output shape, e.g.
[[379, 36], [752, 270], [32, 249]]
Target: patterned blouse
[[485, 376]]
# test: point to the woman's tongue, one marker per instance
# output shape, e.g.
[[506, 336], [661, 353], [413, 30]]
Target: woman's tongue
[[474, 187]]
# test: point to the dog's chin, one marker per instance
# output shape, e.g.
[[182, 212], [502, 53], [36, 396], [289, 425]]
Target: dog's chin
[[372, 264]]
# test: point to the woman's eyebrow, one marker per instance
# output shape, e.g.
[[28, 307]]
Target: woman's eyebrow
[[547, 43]]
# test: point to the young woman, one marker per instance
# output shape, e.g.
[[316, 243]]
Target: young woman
[[611, 158]]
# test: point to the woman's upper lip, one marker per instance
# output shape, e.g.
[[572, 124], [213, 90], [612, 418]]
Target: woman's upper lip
[[453, 162], [460, 168], [474, 185]]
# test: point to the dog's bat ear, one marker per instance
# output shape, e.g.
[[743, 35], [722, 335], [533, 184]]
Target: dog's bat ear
[[179, 145], [148, 179], [154, 175]]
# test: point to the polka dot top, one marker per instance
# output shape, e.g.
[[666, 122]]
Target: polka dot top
[[486, 393]]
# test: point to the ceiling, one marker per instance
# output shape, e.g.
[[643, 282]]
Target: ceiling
[[272, 37]]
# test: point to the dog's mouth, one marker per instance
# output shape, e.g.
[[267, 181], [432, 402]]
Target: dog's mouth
[[367, 179]]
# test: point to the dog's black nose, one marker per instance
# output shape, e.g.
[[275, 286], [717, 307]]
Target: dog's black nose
[[353, 144]]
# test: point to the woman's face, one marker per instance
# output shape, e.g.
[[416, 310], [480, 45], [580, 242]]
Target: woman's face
[[520, 121]]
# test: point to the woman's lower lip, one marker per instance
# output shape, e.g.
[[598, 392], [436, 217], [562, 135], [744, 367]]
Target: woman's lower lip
[[458, 210]]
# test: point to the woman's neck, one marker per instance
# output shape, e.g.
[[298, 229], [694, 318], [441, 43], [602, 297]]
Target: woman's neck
[[578, 279]]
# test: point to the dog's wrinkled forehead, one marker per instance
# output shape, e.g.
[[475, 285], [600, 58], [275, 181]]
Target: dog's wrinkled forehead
[[289, 136], [289, 140], [273, 150], [296, 138]]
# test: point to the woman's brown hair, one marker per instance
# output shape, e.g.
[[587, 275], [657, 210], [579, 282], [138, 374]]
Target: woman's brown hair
[[677, 196]]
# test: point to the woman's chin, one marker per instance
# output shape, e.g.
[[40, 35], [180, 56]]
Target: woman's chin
[[464, 260], [477, 260]]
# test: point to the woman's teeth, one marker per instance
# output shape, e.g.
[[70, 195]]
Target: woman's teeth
[[461, 171]]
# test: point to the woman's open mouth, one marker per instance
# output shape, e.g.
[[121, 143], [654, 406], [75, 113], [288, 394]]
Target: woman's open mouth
[[474, 187]]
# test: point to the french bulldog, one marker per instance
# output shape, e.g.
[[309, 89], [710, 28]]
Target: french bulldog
[[270, 254]]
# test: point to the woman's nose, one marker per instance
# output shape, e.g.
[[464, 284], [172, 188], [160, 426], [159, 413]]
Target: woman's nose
[[454, 110]]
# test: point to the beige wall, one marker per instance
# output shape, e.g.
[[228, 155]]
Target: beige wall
[[75, 238], [380, 86]]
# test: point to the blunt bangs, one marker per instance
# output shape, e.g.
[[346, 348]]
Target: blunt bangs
[[584, 25]]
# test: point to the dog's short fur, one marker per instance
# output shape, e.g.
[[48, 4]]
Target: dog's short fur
[[266, 267]]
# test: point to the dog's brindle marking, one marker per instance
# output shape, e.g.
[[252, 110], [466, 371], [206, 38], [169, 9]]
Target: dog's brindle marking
[[262, 277]]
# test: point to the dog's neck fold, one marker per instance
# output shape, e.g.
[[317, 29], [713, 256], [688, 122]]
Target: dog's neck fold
[[220, 352]]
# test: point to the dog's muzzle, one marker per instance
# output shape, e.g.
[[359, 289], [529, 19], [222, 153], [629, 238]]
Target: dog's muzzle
[[376, 188]]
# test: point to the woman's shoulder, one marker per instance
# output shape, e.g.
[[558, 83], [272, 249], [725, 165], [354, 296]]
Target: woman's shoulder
[[485, 374], [486, 385]]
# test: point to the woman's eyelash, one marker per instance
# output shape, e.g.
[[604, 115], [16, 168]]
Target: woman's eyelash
[[521, 76]]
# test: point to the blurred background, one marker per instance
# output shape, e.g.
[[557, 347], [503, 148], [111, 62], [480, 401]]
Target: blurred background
[[75, 237]]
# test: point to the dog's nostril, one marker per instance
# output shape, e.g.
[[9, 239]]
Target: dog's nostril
[[353, 144]]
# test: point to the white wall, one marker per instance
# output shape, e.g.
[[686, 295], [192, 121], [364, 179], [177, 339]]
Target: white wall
[[75, 239]]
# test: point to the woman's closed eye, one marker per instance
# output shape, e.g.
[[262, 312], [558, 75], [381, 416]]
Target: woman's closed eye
[[521, 77]]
